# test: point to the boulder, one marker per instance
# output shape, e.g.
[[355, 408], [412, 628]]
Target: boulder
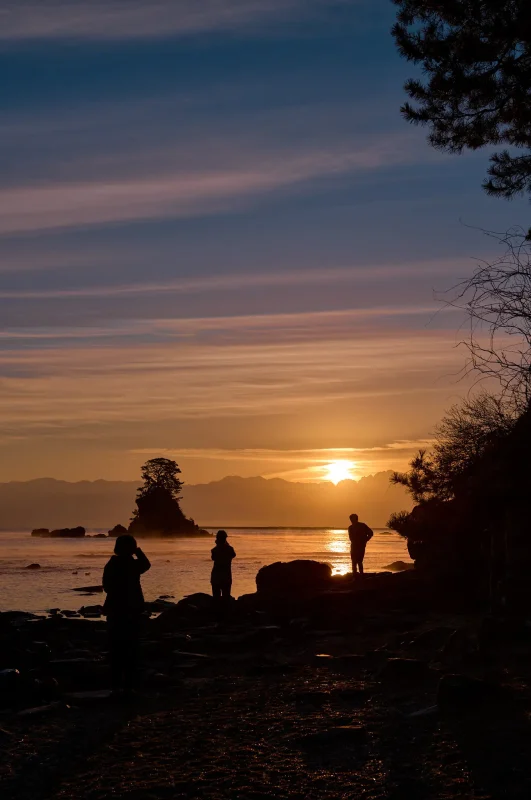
[[118, 530], [502, 633], [460, 692], [40, 532], [404, 670], [293, 578], [155, 606], [33, 566], [91, 611], [79, 672], [461, 646], [399, 566], [68, 533], [39, 711], [17, 616], [432, 639], [9, 680], [194, 606], [88, 697]]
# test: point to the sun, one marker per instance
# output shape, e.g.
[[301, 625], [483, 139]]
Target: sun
[[339, 471]]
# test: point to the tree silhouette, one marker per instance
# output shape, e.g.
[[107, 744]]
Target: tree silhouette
[[158, 512], [161, 473], [497, 301], [476, 55], [467, 431]]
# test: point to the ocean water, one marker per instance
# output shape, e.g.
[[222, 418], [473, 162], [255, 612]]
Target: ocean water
[[179, 567]]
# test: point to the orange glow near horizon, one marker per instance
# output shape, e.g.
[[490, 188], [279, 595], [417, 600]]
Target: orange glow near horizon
[[338, 471]]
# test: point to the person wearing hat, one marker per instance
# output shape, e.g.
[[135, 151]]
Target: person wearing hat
[[221, 578]]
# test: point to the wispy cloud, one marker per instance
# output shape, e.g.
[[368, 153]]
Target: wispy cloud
[[271, 329], [297, 464], [93, 384], [124, 19], [230, 282], [183, 194], [311, 455]]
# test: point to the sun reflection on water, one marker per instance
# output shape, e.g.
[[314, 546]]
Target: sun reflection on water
[[338, 545]]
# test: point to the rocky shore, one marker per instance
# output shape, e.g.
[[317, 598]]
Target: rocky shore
[[327, 689]]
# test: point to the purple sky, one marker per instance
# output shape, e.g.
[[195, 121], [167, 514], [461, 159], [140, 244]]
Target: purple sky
[[219, 240]]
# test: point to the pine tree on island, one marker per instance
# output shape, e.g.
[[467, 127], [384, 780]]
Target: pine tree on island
[[158, 512]]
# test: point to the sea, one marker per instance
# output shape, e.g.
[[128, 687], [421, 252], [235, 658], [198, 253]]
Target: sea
[[179, 567]]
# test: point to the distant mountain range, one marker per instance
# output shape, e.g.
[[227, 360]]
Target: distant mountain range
[[232, 501]]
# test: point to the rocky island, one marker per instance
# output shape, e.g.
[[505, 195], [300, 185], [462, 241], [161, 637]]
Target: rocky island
[[60, 533]]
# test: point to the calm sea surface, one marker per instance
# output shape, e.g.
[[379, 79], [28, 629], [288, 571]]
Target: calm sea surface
[[178, 567]]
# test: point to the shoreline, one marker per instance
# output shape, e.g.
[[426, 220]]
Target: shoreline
[[178, 568]]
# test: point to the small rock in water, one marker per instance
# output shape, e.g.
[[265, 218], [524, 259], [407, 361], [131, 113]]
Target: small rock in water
[[88, 589], [33, 566], [400, 566]]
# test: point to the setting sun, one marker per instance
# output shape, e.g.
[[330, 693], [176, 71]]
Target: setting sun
[[339, 471]]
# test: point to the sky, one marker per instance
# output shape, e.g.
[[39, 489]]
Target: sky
[[221, 243]]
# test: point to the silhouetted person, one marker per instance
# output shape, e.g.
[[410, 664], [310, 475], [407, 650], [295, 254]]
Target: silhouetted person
[[222, 555], [359, 534], [123, 607]]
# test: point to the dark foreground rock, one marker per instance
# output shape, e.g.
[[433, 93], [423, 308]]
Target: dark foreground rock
[[303, 712], [461, 693], [404, 670], [399, 566], [294, 578], [89, 589]]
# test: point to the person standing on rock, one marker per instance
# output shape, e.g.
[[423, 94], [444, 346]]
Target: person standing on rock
[[123, 607], [221, 578], [359, 534]]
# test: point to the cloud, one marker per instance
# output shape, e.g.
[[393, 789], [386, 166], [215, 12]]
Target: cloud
[[89, 384], [273, 329], [183, 194], [126, 19], [312, 455], [295, 464], [230, 282]]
